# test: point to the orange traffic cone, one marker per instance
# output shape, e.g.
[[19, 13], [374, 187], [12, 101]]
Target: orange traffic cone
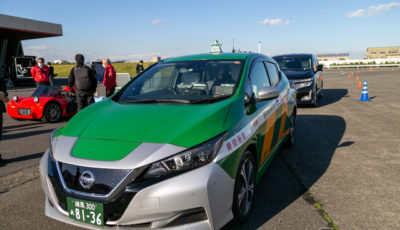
[[349, 76], [357, 78], [370, 69], [352, 73], [359, 85], [358, 71], [392, 69]]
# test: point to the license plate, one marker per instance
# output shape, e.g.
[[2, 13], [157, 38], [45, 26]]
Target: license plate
[[25, 112], [85, 211]]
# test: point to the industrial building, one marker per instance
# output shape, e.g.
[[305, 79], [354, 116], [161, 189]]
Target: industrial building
[[383, 52], [15, 66], [333, 57]]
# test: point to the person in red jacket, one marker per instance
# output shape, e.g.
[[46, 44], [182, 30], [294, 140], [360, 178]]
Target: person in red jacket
[[40, 73], [110, 77]]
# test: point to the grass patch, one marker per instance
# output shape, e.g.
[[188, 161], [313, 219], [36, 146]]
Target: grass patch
[[309, 198], [62, 70]]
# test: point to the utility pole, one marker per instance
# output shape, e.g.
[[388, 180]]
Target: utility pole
[[233, 46]]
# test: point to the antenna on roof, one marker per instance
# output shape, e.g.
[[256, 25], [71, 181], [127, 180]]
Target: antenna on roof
[[259, 46], [233, 46]]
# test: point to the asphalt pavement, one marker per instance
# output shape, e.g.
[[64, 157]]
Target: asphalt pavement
[[342, 171]]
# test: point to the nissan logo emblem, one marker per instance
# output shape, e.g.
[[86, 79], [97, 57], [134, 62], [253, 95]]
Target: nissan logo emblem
[[86, 179]]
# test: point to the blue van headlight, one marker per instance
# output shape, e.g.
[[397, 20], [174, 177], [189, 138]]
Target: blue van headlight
[[187, 160]]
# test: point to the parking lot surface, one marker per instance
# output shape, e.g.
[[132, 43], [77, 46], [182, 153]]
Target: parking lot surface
[[343, 167]]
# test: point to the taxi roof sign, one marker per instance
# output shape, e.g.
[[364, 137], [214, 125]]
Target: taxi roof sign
[[216, 47]]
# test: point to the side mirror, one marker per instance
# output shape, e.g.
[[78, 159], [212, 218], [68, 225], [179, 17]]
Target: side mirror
[[268, 93], [320, 67]]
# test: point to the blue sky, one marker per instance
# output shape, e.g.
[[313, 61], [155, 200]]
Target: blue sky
[[133, 30]]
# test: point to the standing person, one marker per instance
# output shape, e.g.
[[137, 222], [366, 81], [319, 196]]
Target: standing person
[[40, 73], [3, 99], [84, 80], [110, 77], [51, 73], [139, 67]]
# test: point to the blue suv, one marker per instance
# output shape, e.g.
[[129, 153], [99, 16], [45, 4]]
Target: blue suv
[[305, 72]]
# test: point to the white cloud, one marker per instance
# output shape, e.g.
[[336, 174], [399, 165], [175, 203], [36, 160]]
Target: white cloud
[[357, 13], [157, 21], [374, 10], [274, 22]]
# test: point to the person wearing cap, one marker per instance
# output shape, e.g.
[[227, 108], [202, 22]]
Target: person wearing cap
[[40, 73], [51, 73], [85, 82], [139, 67], [110, 77]]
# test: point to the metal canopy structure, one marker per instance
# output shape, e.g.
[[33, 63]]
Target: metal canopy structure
[[12, 31], [22, 29]]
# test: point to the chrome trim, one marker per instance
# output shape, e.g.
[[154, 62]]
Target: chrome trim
[[54, 198], [131, 175]]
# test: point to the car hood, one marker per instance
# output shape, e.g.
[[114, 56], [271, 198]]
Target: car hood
[[293, 75], [178, 124]]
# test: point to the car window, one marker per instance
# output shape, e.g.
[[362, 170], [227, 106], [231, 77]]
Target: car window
[[258, 77], [273, 73], [185, 81], [294, 63]]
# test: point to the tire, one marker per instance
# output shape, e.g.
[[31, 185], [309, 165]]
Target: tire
[[243, 196], [315, 98], [52, 112], [292, 131]]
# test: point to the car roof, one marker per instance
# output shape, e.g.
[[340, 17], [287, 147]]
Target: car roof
[[294, 55], [211, 56]]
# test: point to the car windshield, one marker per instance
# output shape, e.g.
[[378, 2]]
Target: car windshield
[[46, 91], [202, 81], [294, 63]]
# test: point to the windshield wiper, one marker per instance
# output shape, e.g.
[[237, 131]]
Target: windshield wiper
[[163, 100], [210, 99]]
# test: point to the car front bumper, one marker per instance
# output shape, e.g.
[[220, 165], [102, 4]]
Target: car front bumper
[[304, 95], [161, 205]]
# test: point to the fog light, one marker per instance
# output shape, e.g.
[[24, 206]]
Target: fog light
[[36, 99]]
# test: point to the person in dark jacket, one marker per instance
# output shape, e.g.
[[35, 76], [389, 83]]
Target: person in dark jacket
[[139, 67], [84, 80], [3, 99], [51, 73]]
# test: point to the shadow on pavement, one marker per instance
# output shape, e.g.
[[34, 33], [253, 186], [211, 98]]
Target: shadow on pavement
[[21, 158], [330, 96], [25, 134], [317, 137], [13, 127]]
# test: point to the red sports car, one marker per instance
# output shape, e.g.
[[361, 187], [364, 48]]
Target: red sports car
[[49, 103]]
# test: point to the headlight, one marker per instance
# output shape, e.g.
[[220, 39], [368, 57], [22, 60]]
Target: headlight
[[53, 142], [189, 159], [15, 98], [36, 99], [303, 82]]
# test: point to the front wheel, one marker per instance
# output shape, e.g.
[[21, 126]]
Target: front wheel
[[315, 98], [52, 112], [243, 196]]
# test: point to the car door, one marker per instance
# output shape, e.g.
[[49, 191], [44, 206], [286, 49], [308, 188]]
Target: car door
[[317, 74], [281, 104], [265, 141]]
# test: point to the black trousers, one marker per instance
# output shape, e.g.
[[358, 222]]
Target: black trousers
[[39, 83], [111, 92], [1, 123], [83, 99]]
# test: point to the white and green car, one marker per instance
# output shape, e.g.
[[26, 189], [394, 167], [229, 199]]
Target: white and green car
[[181, 146]]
